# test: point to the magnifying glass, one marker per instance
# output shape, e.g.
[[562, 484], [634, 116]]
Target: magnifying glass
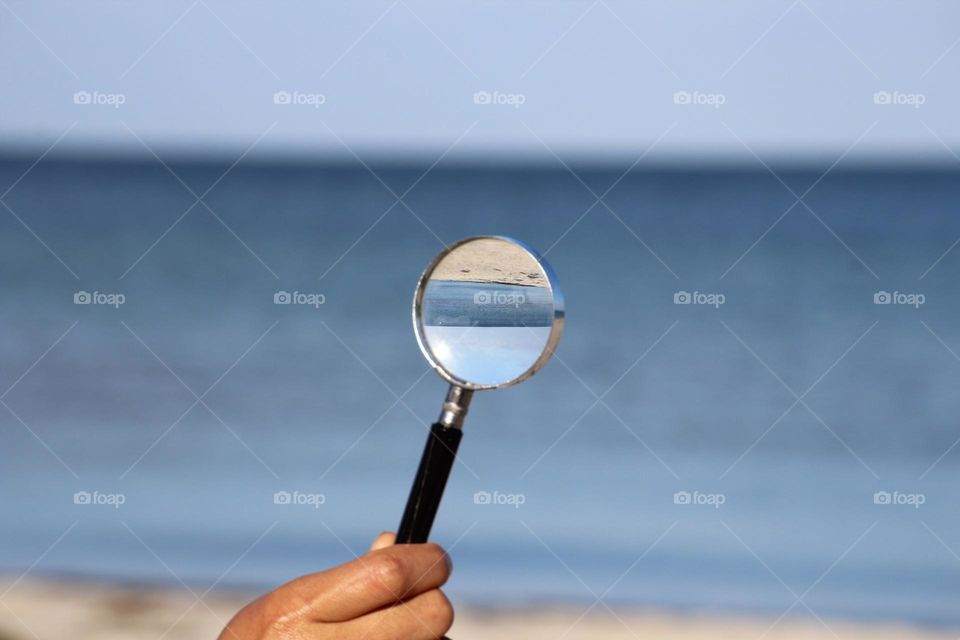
[[488, 313]]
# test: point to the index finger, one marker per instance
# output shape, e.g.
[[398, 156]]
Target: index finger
[[378, 579]]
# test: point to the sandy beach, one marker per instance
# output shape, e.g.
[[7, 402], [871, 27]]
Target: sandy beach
[[40, 608], [491, 260]]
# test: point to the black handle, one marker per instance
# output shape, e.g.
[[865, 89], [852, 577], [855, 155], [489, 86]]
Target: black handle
[[424, 500]]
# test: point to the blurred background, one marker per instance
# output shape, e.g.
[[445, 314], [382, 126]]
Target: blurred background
[[752, 209]]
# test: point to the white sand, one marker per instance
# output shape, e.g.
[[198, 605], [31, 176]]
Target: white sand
[[50, 609], [491, 260]]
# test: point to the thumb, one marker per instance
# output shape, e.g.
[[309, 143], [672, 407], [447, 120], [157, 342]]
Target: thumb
[[384, 540]]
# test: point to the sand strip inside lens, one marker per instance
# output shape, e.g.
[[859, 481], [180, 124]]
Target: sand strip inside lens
[[491, 260]]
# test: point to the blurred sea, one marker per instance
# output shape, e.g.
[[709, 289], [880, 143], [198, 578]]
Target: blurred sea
[[793, 402]]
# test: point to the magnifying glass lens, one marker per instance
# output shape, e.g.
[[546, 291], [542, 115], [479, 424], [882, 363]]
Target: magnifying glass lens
[[487, 313]]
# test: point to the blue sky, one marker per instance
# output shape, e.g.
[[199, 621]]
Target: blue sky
[[672, 79]]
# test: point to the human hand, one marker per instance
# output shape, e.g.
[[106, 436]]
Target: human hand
[[391, 592]]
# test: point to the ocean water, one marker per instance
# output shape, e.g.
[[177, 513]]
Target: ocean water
[[734, 419]]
